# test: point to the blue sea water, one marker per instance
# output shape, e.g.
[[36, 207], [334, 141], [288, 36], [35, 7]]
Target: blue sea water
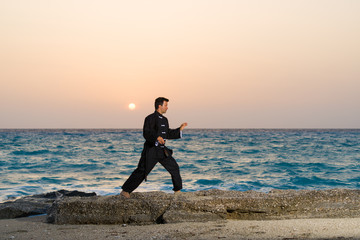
[[100, 160]]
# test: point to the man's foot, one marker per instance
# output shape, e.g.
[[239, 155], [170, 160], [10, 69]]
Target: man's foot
[[125, 194], [177, 192]]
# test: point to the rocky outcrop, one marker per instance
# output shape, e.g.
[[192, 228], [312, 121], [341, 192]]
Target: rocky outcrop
[[36, 204], [159, 207]]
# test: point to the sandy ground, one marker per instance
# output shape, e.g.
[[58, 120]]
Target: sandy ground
[[36, 228]]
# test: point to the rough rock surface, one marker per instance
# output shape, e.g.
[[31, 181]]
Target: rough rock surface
[[35, 204], [159, 207]]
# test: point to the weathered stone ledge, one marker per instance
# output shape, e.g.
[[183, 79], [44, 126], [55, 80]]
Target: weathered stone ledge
[[36, 204], [160, 207]]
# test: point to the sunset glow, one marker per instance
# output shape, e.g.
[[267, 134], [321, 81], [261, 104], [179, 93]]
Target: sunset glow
[[222, 64]]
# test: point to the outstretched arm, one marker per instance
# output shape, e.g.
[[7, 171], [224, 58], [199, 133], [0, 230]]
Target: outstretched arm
[[176, 133]]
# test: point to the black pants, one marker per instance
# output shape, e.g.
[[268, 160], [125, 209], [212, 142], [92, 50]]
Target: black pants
[[144, 168]]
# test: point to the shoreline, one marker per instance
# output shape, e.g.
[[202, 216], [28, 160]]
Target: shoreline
[[37, 228], [215, 214]]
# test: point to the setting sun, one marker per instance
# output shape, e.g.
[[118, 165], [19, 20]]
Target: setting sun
[[132, 106]]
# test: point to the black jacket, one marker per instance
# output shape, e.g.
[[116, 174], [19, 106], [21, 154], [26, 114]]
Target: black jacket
[[156, 125]]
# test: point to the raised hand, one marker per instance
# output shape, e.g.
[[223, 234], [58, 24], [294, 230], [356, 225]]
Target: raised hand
[[183, 126]]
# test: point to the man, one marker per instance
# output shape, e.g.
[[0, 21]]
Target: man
[[156, 131]]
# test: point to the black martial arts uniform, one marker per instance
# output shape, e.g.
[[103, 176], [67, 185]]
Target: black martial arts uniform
[[155, 125]]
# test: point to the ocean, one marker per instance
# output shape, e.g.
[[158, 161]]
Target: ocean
[[35, 161]]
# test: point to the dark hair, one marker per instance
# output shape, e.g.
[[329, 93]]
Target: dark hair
[[160, 101]]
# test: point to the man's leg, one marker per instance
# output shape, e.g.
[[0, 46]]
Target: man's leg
[[172, 167], [138, 174]]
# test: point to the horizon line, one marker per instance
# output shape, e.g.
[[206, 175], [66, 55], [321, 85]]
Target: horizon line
[[220, 128]]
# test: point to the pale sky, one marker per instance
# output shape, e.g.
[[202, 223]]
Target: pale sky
[[222, 63]]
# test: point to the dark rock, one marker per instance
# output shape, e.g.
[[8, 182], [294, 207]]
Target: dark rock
[[159, 207], [65, 193], [35, 204]]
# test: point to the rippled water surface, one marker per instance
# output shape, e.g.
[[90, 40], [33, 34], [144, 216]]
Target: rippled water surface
[[37, 161]]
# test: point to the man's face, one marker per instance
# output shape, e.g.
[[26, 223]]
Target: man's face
[[163, 108]]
